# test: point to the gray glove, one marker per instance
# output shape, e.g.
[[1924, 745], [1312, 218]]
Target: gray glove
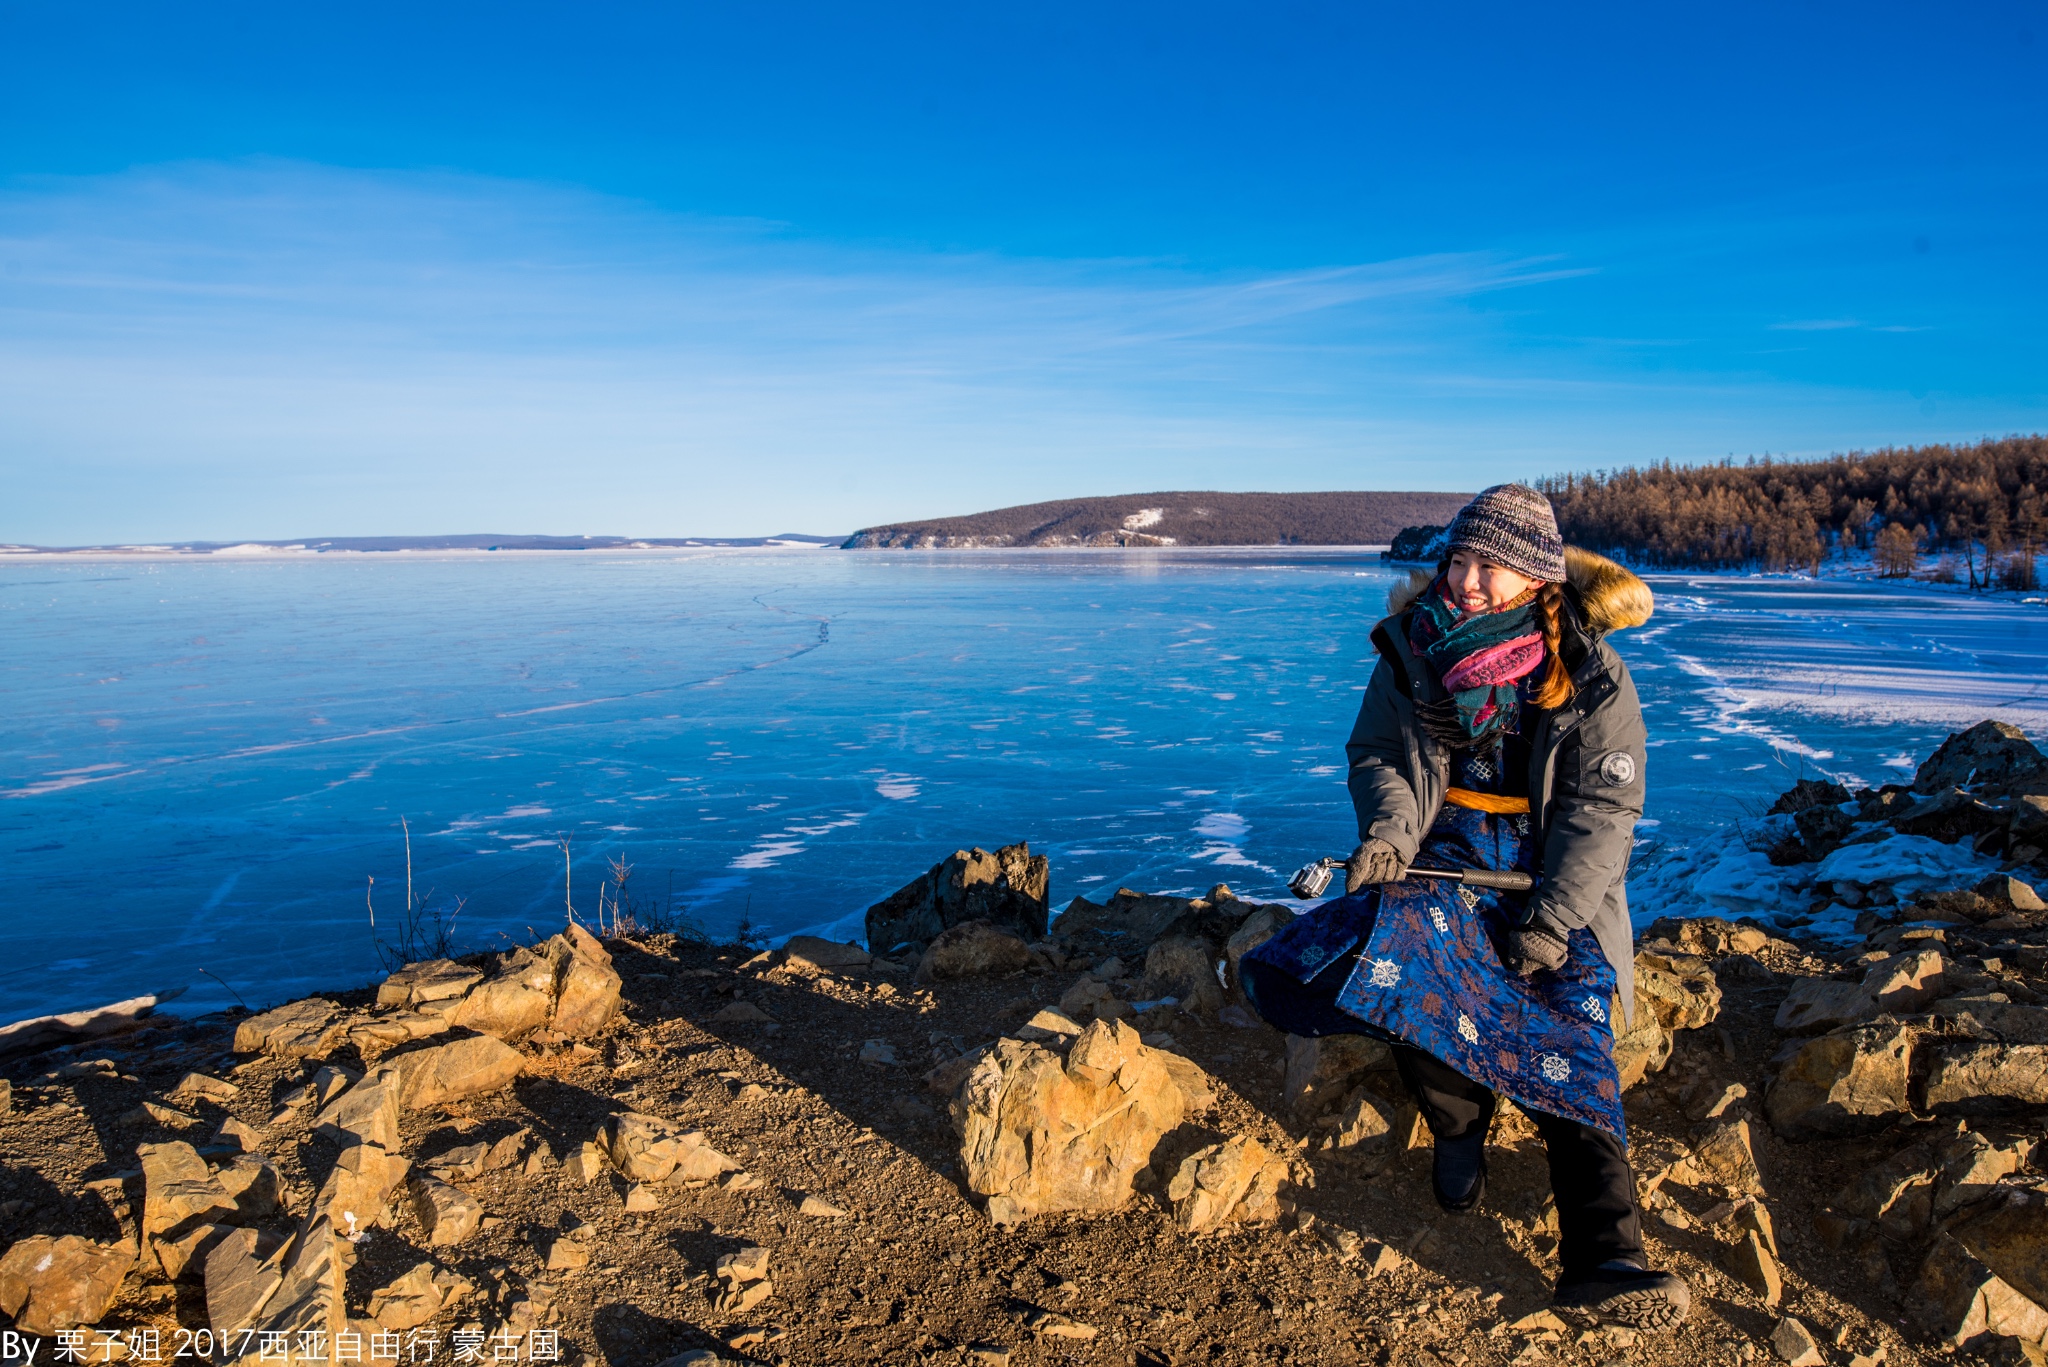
[[1373, 862], [1536, 948]]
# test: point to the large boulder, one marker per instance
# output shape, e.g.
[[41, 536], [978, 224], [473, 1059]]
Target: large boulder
[[1807, 794], [1981, 1077], [1992, 755], [1847, 1082], [1815, 1005], [1007, 888], [51, 1284], [1040, 1133], [1958, 1297], [433, 980], [184, 1207], [586, 984], [300, 1029], [460, 1068], [972, 949], [1679, 990], [512, 1002], [1183, 967]]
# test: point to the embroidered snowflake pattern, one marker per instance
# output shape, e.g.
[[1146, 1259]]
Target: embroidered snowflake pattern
[[1555, 1069], [1439, 920], [1482, 770], [1467, 1031], [1385, 973], [1594, 1010], [1470, 896]]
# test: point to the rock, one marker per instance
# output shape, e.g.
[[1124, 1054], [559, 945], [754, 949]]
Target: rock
[[1321, 1071], [1058, 1326], [1712, 1105], [749, 1264], [380, 1034], [234, 1134], [1049, 1025], [1809, 793], [1364, 1126], [1894, 1197], [41, 1032], [1257, 928], [1007, 889], [1197, 1092], [1794, 1344], [447, 1213], [253, 1185], [514, 1001], [1751, 1263], [1679, 990], [2003, 887], [972, 949], [695, 1357], [1183, 967], [586, 984], [1848, 1082], [1992, 755], [1725, 1157], [1820, 1004], [741, 1299], [183, 1207], [646, 1148], [1709, 937], [297, 1029], [1979, 1077], [243, 1271], [819, 1208], [431, 981], [1971, 1168], [49, 1284], [1957, 1297], [587, 1162], [200, 1087], [507, 1150], [331, 1081], [470, 1066], [878, 1053], [1642, 1047], [1905, 982], [1109, 970], [821, 953], [151, 1113], [640, 1199], [2011, 1238], [366, 1113], [567, 1254], [409, 1300], [1040, 1133], [740, 1013], [1090, 998], [1236, 1181]]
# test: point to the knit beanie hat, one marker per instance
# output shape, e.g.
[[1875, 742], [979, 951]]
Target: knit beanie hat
[[1511, 525]]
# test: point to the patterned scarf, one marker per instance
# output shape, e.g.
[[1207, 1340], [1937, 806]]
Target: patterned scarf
[[1479, 656]]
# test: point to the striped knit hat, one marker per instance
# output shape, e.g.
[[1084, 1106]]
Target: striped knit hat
[[1512, 525]]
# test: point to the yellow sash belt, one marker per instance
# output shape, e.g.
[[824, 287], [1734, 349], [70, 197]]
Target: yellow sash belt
[[1485, 802]]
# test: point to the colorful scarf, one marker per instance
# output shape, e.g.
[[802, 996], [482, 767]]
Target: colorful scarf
[[1479, 656]]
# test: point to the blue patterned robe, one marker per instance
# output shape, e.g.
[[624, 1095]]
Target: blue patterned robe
[[1429, 973]]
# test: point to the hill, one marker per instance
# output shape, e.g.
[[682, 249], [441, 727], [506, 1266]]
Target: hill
[[1177, 519]]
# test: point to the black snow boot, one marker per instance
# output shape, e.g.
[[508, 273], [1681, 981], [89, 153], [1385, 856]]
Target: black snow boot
[[1624, 1293], [1458, 1174]]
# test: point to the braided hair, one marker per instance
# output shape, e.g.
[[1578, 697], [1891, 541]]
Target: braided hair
[[1555, 690]]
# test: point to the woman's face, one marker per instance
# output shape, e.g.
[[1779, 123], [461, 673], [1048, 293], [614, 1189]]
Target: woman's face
[[1479, 585]]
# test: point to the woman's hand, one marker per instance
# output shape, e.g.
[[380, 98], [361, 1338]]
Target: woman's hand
[[1536, 948], [1373, 862]]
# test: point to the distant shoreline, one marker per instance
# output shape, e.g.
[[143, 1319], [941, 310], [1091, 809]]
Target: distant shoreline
[[233, 553]]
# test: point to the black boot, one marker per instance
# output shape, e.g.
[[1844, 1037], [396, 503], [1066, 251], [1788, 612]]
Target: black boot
[[1458, 1174], [1626, 1294]]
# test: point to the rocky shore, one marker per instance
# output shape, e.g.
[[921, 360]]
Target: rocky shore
[[1004, 1138]]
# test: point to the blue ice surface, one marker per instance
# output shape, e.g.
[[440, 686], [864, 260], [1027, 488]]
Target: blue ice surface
[[207, 758]]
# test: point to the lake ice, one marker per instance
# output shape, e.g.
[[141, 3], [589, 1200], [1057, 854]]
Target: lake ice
[[206, 760]]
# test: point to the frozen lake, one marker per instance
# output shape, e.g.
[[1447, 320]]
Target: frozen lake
[[206, 759]]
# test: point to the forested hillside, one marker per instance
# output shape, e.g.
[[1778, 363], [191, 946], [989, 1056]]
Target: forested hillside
[[1977, 510], [1178, 519]]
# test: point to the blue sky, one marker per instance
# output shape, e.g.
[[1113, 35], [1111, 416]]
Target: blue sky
[[670, 269]]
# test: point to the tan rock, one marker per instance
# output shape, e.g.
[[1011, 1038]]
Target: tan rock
[[1090, 998], [646, 1148], [1849, 1082], [1197, 1088], [972, 949], [507, 1151], [740, 1013], [331, 1080], [381, 1034], [822, 953], [819, 1208], [1041, 1133], [356, 1195], [1819, 1004], [1752, 1264], [749, 1264], [367, 1113], [1906, 982], [2020, 895], [1048, 1025], [1795, 1345], [1642, 1047], [1252, 932], [465, 1067], [1957, 1297], [2011, 1238], [235, 1134], [252, 1183], [1322, 1071], [201, 1087], [297, 1029], [1981, 1077], [1006, 888], [1971, 1168], [947, 1077], [409, 1300], [1726, 1158], [587, 1162], [513, 1002], [184, 1208], [741, 1299], [243, 1271], [1679, 990], [587, 991], [640, 1199], [1754, 1216], [567, 1254], [446, 1212], [1236, 1181], [1183, 967], [430, 981], [53, 1283]]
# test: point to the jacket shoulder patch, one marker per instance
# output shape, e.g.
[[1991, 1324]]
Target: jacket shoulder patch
[[1618, 768]]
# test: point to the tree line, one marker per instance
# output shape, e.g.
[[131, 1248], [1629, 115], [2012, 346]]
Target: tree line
[[1979, 511]]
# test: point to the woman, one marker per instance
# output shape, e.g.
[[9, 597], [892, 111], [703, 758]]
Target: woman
[[1499, 732]]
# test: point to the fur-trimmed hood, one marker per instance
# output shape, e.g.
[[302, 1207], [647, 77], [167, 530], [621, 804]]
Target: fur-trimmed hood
[[1610, 597]]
